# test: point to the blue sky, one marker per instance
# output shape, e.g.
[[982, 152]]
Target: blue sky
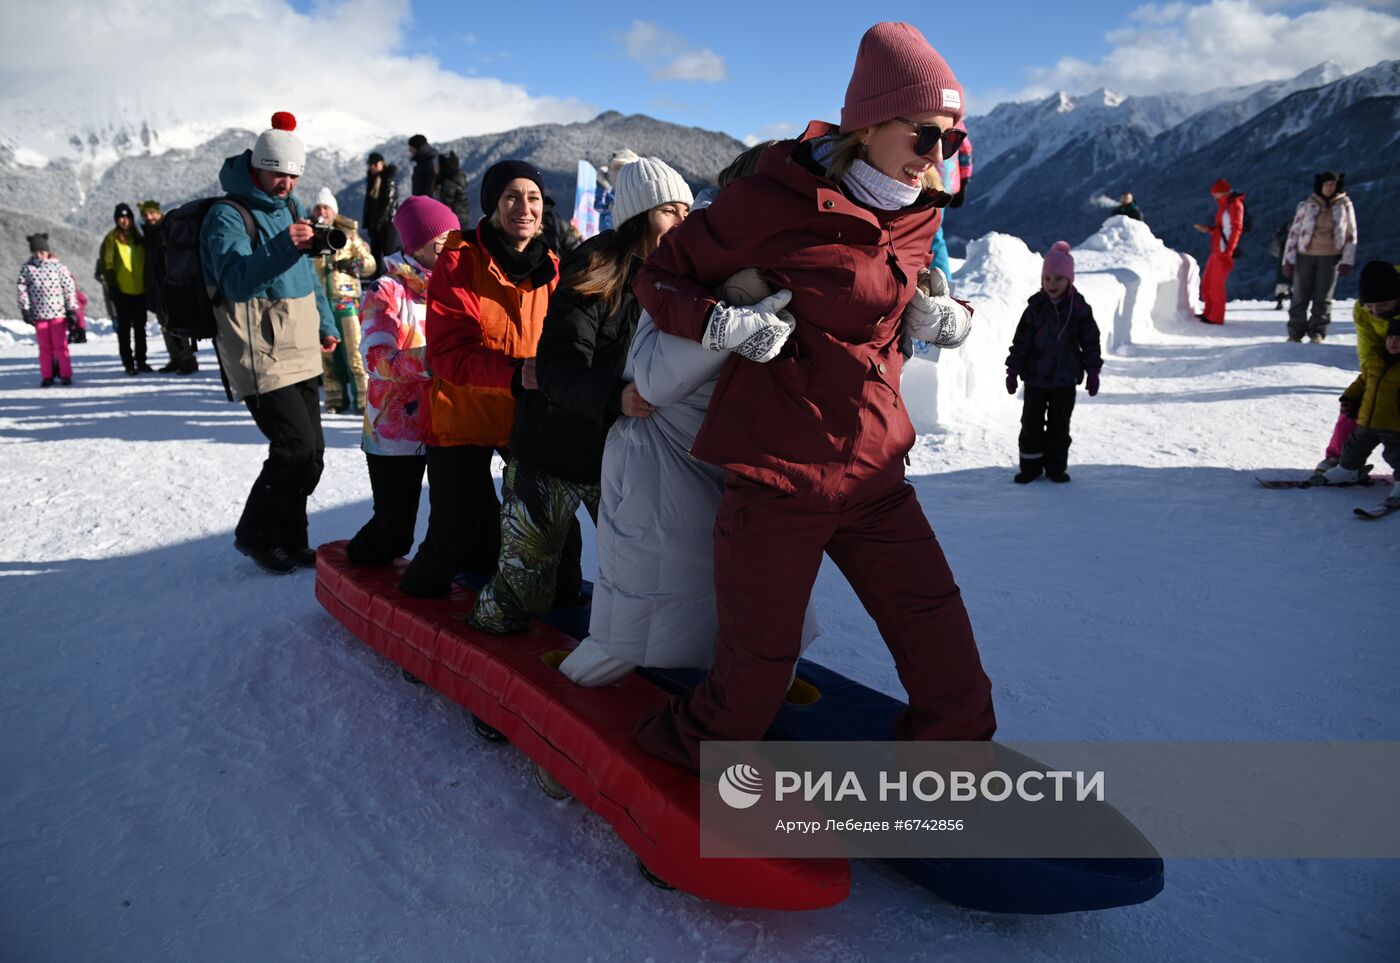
[[358, 72], [748, 67]]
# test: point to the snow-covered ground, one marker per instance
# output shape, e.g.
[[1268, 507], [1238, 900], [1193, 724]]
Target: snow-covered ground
[[200, 764]]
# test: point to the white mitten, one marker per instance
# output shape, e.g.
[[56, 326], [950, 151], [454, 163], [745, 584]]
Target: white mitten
[[935, 317], [757, 332]]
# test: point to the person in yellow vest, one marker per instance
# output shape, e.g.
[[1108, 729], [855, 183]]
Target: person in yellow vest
[[123, 274], [343, 370]]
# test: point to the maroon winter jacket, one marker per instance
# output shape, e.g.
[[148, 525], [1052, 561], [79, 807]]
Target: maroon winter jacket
[[825, 417]]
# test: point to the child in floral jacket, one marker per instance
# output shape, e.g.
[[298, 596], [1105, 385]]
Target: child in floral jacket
[[47, 298], [392, 346]]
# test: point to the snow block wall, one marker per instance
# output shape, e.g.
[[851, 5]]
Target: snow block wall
[[1142, 292]]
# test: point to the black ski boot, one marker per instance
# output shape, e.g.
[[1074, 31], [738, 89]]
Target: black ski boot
[[274, 561]]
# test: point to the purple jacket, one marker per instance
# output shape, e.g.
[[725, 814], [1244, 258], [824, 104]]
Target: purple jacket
[[1055, 343]]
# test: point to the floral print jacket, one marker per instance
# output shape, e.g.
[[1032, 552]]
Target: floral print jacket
[[392, 315]]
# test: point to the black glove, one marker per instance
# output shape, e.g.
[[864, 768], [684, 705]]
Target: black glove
[[1350, 406], [958, 198]]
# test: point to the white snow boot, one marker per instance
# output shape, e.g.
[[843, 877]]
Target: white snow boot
[[1341, 476], [1327, 464]]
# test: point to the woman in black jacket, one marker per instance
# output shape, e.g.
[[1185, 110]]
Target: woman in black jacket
[[570, 399]]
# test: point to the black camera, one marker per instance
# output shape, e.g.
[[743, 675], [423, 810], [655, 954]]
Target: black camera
[[326, 240]]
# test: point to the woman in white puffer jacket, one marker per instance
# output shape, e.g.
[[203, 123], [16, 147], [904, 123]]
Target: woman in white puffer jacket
[[654, 600]]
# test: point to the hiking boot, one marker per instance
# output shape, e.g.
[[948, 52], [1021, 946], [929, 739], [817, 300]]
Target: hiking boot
[[304, 557], [167, 368], [362, 551], [131, 372], [1295, 339], [1059, 477], [274, 561], [1026, 475], [421, 583], [145, 368], [46, 383], [189, 367], [65, 381]]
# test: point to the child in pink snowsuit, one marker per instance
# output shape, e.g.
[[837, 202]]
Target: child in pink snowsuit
[[77, 333], [46, 295], [1346, 424]]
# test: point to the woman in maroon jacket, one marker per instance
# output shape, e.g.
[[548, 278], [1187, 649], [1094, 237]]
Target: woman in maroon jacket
[[807, 419]]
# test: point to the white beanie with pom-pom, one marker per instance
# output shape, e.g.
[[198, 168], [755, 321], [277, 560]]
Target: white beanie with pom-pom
[[278, 149]]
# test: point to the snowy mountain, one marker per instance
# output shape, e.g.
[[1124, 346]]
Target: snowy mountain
[[1044, 170], [1054, 165], [80, 194]]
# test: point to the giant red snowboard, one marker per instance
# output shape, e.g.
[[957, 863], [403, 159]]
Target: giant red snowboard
[[582, 737]]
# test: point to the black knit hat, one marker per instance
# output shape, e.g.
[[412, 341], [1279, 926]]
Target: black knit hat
[[1379, 282], [123, 210], [37, 243], [417, 140], [1326, 176], [374, 158], [497, 176]]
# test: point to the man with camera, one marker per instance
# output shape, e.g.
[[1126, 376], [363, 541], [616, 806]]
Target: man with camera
[[273, 322], [341, 258]]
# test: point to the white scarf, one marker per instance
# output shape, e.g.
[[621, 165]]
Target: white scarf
[[869, 186]]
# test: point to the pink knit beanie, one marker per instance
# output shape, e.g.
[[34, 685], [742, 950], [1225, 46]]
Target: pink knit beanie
[[897, 73], [1059, 262], [420, 219]]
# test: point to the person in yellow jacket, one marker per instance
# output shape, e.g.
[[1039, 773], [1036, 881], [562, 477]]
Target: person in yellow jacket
[[122, 271], [1376, 394], [343, 370]]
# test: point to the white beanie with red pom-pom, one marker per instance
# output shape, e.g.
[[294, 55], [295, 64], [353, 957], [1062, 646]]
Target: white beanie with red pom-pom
[[278, 149]]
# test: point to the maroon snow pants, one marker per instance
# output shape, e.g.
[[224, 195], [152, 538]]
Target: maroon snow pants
[[768, 548]]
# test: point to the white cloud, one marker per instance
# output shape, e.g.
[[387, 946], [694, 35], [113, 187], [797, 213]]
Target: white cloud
[[1224, 43], [705, 66], [340, 68], [781, 130], [669, 56]]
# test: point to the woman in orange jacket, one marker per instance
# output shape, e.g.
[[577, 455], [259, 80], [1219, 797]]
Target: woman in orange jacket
[[487, 301]]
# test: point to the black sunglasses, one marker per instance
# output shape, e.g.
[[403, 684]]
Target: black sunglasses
[[926, 136]]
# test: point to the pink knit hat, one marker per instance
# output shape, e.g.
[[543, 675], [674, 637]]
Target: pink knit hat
[[897, 73], [1059, 262], [420, 219]]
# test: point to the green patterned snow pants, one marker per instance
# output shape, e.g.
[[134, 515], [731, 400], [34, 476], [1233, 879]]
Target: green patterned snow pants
[[537, 511]]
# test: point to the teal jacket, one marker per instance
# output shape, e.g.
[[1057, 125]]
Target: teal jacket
[[276, 270]]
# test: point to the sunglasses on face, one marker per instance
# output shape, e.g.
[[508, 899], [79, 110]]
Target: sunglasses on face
[[927, 136]]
